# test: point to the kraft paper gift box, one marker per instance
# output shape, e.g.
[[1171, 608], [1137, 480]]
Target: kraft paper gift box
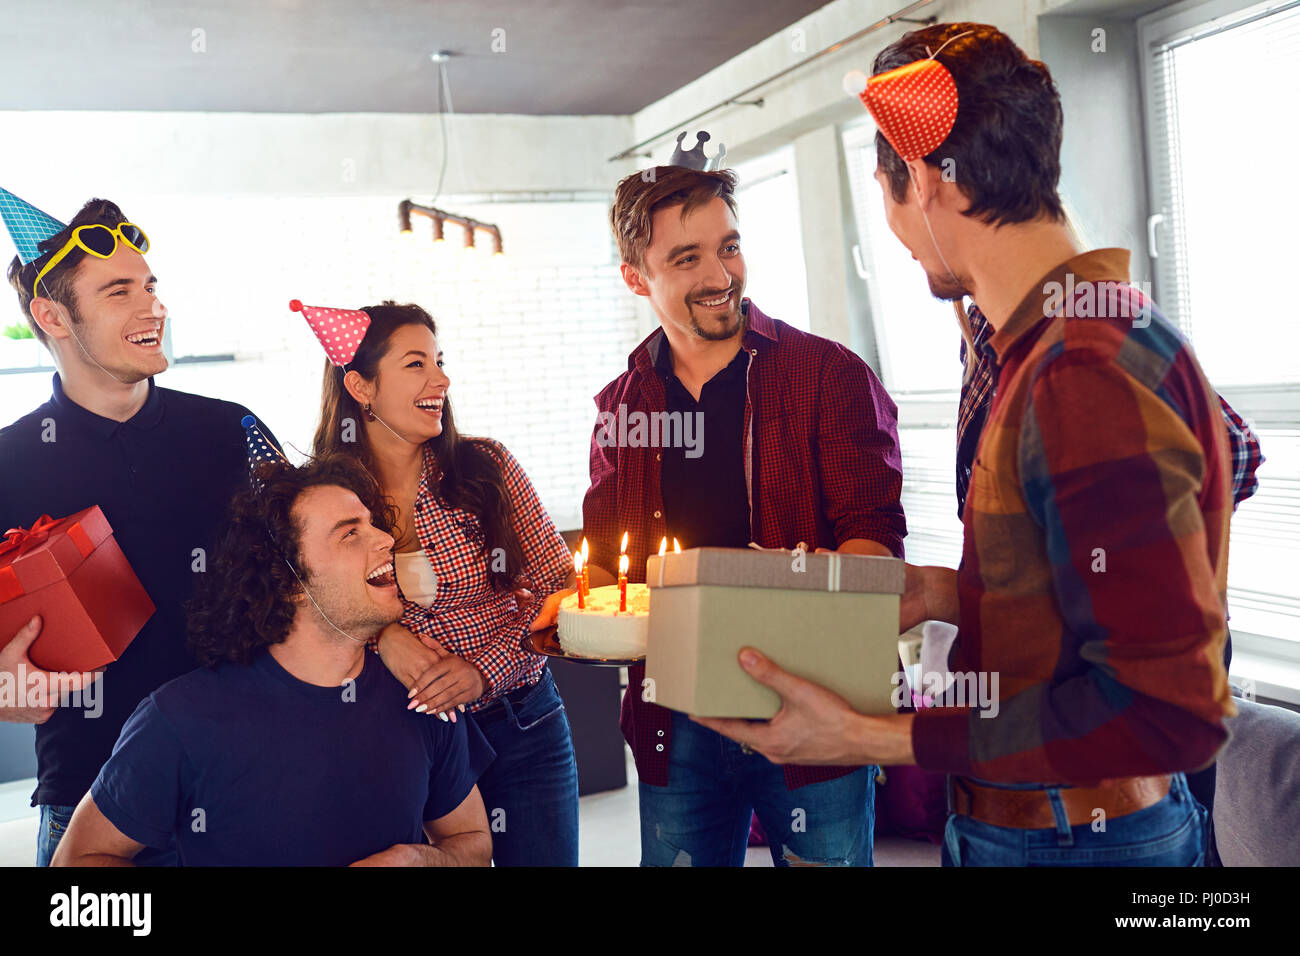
[[73, 574], [835, 622]]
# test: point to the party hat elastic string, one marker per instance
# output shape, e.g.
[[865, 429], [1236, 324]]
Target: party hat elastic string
[[340, 332], [260, 451]]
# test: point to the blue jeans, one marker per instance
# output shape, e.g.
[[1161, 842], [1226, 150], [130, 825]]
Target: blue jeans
[[702, 817], [530, 791], [1168, 833], [54, 823]]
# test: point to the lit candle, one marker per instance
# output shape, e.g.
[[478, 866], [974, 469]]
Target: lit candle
[[663, 547], [677, 548], [577, 573], [622, 582], [586, 579]]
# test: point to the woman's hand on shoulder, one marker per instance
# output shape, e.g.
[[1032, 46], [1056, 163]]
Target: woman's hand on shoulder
[[407, 655]]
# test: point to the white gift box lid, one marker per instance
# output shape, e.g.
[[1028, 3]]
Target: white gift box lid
[[764, 568]]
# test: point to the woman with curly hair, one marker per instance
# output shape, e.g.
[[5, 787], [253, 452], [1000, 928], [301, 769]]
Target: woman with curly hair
[[473, 547]]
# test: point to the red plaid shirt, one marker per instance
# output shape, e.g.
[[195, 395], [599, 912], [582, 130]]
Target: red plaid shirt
[[471, 619], [822, 465]]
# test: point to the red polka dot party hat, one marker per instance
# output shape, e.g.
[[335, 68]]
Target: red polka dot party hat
[[340, 331]]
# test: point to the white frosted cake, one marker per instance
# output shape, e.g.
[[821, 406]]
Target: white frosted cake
[[601, 629]]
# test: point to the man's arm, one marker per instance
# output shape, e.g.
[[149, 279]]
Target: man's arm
[[459, 838], [858, 457], [92, 840], [1246, 456], [864, 546]]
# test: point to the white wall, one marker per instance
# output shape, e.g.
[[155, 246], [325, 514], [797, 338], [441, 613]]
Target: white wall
[[1103, 152], [529, 339], [300, 155]]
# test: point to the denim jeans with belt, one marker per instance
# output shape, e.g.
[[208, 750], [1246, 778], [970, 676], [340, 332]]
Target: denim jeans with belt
[[1170, 832], [530, 791], [702, 817]]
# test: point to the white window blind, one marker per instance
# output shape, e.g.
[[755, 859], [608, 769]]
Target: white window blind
[[1221, 84], [918, 341], [1222, 96]]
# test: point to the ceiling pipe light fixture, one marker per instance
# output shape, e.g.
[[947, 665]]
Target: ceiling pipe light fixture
[[407, 208]]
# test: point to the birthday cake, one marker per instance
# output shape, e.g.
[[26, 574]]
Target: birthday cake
[[601, 630]]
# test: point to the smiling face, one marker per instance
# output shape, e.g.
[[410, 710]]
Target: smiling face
[[693, 271], [116, 317], [409, 386], [346, 561]]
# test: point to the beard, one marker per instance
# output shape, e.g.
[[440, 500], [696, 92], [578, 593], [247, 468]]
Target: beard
[[946, 287], [727, 324], [360, 621]]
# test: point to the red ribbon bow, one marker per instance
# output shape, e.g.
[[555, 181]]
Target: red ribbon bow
[[24, 540]]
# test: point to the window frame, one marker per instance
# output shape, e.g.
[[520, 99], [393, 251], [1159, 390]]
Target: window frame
[[1271, 663]]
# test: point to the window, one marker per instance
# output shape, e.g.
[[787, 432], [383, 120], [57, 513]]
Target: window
[[918, 342], [768, 201], [1220, 84]]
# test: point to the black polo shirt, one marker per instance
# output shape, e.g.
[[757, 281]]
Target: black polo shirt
[[164, 479], [705, 501]]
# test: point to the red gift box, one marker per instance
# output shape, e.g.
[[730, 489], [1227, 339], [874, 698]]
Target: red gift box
[[73, 574]]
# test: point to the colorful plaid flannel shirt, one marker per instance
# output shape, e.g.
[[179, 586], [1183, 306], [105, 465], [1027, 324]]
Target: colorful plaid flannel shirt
[[821, 461], [471, 619], [977, 394], [1095, 556]]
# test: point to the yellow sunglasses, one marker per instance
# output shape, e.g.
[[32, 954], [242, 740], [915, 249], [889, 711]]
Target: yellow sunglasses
[[99, 241]]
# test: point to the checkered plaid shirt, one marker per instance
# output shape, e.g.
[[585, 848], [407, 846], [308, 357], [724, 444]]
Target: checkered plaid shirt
[[822, 465], [1095, 555], [977, 395], [471, 619]]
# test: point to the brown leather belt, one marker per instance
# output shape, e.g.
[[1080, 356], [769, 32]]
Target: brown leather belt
[[1032, 809]]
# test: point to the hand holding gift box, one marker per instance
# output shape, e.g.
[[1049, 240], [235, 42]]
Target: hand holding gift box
[[29, 695], [73, 574], [817, 726], [829, 618]]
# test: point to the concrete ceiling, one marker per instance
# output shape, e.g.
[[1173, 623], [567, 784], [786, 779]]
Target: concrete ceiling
[[312, 56]]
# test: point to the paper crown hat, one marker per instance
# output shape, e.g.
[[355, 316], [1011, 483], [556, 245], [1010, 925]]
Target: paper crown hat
[[259, 450], [915, 105], [28, 225], [340, 331], [694, 157]]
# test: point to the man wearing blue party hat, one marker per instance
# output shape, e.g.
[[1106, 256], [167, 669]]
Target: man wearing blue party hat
[[161, 464]]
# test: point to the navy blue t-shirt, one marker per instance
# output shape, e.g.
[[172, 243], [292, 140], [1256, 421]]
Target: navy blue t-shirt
[[164, 479], [249, 766]]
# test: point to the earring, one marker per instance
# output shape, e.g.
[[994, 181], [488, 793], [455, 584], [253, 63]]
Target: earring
[[370, 416]]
